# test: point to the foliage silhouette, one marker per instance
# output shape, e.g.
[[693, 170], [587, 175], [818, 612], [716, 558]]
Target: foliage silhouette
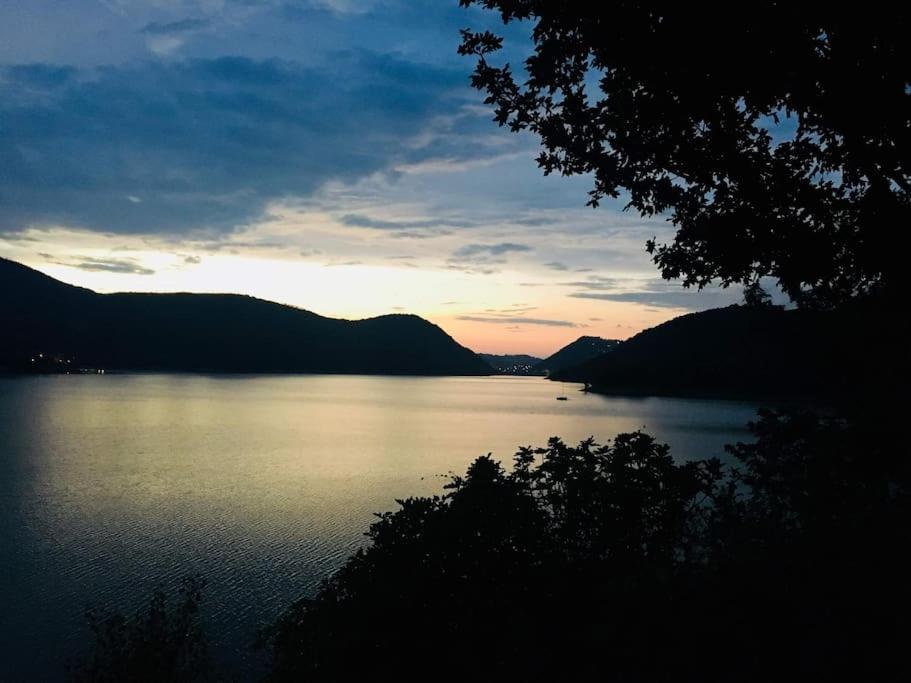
[[817, 550], [755, 296], [163, 642], [776, 138], [611, 561], [614, 561]]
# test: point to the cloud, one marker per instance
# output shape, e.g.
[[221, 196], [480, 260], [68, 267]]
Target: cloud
[[514, 310], [156, 28], [418, 235], [600, 283], [344, 6], [40, 77], [535, 221], [654, 293], [556, 265], [234, 245], [192, 260], [471, 251], [477, 258], [207, 144], [165, 38], [517, 320], [113, 265], [649, 298], [361, 221]]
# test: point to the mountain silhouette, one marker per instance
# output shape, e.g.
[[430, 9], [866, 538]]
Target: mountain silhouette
[[574, 354], [744, 351], [209, 333]]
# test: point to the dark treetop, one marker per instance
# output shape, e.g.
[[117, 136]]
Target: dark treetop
[[776, 138], [617, 563]]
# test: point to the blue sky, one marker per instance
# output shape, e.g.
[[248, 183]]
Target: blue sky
[[324, 153]]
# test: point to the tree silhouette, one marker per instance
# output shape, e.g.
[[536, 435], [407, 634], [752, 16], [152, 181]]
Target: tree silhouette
[[755, 296], [471, 580], [163, 642], [618, 563], [599, 562], [776, 138]]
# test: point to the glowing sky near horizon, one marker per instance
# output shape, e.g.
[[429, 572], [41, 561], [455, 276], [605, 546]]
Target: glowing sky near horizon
[[327, 154]]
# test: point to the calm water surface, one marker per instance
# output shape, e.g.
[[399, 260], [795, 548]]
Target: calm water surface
[[113, 485]]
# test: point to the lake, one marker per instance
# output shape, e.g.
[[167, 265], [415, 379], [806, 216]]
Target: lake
[[112, 485]]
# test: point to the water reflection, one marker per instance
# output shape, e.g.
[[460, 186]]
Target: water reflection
[[112, 485]]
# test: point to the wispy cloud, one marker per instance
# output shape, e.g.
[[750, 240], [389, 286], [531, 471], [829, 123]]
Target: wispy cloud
[[514, 310], [362, 221], [108, 265], [517, 320], [165, 38], [474, 251], [479, 258], [654, 293], [345, 263], [413, 235], [601, 283], [156, 28], [344, 6]]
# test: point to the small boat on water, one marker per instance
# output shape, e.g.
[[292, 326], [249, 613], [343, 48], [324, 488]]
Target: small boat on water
[[562, 397]]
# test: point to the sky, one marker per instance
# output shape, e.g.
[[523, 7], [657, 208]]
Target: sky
[[328, 154]]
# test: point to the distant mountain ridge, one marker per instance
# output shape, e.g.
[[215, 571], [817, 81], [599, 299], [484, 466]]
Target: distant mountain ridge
[[512, 364], [580, 351], [210, 333]]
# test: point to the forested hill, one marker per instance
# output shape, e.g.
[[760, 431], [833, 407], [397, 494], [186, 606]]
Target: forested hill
[[209, 333], [747, 351], [573, 354]]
